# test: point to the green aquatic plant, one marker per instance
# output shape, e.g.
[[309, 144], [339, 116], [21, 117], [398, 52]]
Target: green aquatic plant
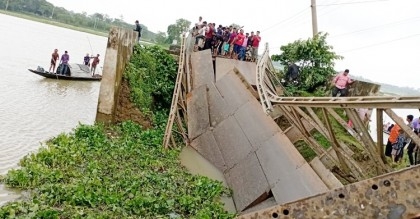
[[119, 172]]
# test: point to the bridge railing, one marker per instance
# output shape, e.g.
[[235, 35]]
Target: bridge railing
[[306, 114]]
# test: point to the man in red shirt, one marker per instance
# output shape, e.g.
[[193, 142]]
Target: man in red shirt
[[238, 41], [255, 44], [95, 62]]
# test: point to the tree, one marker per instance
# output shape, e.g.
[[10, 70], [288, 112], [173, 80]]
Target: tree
[[175, 30], [315, 59], [161, 37], [237, 26]]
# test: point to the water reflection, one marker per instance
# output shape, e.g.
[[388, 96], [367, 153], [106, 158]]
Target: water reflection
[[63, 87], [198, 165], [7, 195]]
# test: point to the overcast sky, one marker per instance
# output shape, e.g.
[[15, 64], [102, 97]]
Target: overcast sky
[[379, 39]]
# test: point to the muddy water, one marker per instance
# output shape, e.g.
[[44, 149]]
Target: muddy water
[[32, 108], [197, 164]]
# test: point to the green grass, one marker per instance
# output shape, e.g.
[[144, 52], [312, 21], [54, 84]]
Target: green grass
[[121, 172], [305, 150]]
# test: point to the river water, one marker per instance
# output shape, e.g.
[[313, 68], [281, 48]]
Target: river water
[[32, 108]]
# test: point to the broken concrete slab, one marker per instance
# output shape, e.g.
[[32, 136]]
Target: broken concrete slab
[[285, 168], [232, 141], [248, 182], [223, 66], [247, 69], [202, 68], [198, 119], [301, 186], [278, 156], [218, 107], [207, 146], [233, 91], [257, 126]]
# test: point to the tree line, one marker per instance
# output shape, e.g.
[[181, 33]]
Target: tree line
[[97, 21]]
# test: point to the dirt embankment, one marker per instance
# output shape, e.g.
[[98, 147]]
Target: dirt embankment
[[126, 110]]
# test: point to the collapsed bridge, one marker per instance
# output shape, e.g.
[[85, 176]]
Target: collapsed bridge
[[229, 112], [230, 109]]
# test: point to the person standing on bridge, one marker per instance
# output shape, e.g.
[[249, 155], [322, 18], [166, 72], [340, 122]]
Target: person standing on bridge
[[341, 81], [256, 39], [138, 29]]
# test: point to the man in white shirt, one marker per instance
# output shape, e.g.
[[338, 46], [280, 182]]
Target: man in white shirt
[[201, 35], [199, 23]]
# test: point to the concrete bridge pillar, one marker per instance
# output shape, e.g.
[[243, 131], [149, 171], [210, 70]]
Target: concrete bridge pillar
[[118, 52]]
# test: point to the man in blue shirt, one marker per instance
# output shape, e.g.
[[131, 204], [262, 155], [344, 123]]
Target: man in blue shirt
[[64, 63]]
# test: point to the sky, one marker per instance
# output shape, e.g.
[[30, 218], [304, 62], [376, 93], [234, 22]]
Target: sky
[[379, 39]]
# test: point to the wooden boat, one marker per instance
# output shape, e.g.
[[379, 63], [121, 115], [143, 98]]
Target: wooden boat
[[77, 72]]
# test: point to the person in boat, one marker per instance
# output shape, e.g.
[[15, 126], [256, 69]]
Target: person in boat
[[64, 63], [86, 59], [54, 58], [95, 62]]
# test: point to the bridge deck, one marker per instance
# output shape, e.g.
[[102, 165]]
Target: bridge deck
[[228, 127]]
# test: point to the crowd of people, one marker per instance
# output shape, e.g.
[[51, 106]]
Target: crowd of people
[[398, 140], [226, 41], [64, 61]]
